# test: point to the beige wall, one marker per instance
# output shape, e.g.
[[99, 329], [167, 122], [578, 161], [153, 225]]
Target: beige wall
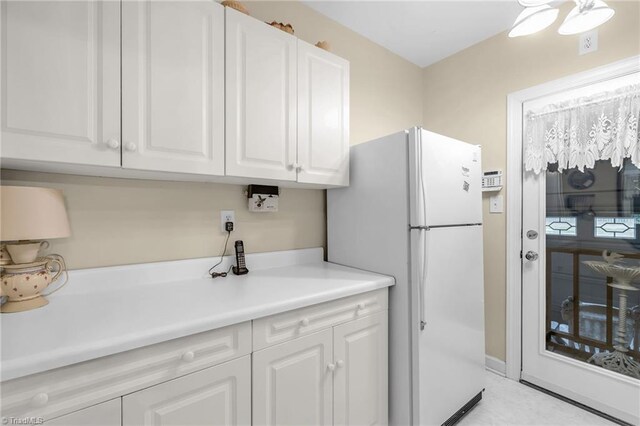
[[120, 221], [465, 97]]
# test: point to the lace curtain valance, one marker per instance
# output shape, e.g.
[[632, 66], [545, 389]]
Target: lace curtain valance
[[579, 132]]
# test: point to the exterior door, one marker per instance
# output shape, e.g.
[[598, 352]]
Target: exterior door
[[293, 383], [61, 81], [260, 99], [361, 374], [219, 395], [323, 116], [570, 315], [173, 86]]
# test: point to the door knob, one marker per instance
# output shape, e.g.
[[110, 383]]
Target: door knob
[[113, 144], [531, 255], [188, 356]]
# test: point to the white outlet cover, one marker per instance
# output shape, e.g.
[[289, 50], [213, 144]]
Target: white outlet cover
[[496, 204], [588, 42], [227, 216]]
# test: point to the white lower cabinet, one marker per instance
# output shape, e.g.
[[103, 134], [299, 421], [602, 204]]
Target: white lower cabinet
[[324, 364], [337, 376], [292, 382], [219, 395], [361, 375], [104, 414]]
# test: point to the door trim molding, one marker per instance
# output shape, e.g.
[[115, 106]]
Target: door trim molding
[[515, 101]]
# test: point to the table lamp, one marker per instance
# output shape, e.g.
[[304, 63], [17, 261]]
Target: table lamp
[[28, 217]]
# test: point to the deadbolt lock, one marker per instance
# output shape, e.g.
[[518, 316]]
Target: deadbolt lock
[[532, 235]]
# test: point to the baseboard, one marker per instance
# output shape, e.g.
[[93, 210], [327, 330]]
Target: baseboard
[[495, 365]]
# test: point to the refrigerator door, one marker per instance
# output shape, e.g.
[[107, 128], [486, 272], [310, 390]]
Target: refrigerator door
[[445, 178], [450, 348]]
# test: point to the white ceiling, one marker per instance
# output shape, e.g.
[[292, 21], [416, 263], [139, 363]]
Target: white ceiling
[[422, 32]]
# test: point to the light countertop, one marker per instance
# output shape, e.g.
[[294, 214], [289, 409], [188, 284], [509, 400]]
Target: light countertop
[[104, 311]]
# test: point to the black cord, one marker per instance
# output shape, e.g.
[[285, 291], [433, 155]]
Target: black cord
[[221, 274]]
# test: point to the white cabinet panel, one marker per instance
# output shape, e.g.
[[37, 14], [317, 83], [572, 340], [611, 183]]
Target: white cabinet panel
[[106, 414], [292, 383], [260, 99], [61, 81], [361, 378], [323, 116], [173, 86], [219, 395]]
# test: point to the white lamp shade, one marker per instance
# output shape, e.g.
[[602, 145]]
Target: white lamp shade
[[582, 19], [30, 213], [533, 19]]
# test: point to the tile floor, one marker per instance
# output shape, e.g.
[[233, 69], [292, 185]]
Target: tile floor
[[507, 402]]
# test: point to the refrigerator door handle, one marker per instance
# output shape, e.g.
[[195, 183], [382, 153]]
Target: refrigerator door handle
[[423, 278]]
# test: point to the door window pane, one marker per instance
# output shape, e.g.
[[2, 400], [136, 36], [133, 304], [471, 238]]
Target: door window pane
[[582, 221]]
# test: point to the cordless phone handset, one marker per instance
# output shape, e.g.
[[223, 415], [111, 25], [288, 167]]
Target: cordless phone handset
[[241, 267]]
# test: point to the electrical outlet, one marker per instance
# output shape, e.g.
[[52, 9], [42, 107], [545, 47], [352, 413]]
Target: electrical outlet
[[227, 216], [588, 42]]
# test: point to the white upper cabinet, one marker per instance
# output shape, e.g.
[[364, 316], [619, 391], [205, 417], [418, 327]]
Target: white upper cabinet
[[173, 86], [323, 116], [260, 99], [61, 81]]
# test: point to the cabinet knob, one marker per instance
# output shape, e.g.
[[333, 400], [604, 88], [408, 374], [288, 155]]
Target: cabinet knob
[[188, 356], [40, 400], [294, 166], [304, 322], [339, 363], [131, 147], [331, 367], [361, 306], [113, 144]]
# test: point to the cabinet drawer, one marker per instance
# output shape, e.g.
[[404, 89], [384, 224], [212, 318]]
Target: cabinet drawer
[[63, 390], [301, 322]]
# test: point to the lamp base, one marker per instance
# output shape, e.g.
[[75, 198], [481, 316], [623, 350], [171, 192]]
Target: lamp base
[[23, 305]]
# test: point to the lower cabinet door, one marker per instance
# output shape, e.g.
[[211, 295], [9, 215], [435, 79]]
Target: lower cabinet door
[[292, 382], [219, 395], [104, 414], [361, 375]]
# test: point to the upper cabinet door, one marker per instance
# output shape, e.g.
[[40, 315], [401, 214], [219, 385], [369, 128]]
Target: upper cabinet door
[[323, 116], [61, 81], [173, 86], [260, 98]]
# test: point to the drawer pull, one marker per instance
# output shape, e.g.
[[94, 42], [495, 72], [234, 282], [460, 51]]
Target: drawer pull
[[188, 356], [339, 363], [331, 367], [304, 322], [40, 400]]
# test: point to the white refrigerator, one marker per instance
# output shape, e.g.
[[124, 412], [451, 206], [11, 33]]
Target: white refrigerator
[[413, 210]]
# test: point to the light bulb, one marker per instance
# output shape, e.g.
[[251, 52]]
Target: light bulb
[[587, 15], [533, 19]]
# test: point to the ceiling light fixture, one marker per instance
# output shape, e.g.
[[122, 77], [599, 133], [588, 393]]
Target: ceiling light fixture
[[533, 19], [538, 15], [587, 15]]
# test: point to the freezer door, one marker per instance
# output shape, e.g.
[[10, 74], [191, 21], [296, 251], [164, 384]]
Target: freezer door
[[450, 348], [445, 179]]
